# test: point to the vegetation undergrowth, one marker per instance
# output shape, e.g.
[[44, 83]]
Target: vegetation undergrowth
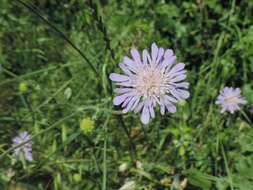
[[55, 59]]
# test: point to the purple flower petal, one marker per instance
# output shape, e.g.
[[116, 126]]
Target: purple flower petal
[[169, 99], [145, 115], [182, 85], [126, 101], [177, 67], [146, 57], [175, 93], [154, 52], [184, 94], [168, 63], [136, 56], [131, 64], [130, 104], [139, 107], [122, 90], [118, 78], [171, 108], [125, 69], [136, 103], [119, 99], [160, 55], [178, 78], [168, 53], [28, 156], [151, 111]]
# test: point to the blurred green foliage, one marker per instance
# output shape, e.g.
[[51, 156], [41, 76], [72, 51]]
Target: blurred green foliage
[[45, 83]]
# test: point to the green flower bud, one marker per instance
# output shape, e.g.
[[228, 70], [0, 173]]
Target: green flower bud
[[77, 177], [87, 125], [22, 87]]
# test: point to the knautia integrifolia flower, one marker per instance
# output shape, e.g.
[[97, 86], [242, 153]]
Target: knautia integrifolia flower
[[150, 81], [230, 99], [25, 149]]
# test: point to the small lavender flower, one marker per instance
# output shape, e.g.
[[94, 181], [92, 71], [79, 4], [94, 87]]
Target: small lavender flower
[[25, 149], [230, 99], [150, 81]]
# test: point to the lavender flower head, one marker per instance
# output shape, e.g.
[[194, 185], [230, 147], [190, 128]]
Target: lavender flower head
[[230, 99], [25, 149], [150, 81]]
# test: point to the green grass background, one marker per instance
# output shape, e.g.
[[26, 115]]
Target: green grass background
[[55, 57]]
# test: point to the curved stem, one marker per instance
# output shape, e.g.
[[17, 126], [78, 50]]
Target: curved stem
[[36, 11]]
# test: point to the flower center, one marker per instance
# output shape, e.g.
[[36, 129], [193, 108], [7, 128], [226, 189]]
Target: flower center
[[150, 82], [231, 100]]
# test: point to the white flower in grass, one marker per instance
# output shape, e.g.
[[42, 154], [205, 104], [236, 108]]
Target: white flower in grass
[[230, 99], [129, 185], [123, 167], [150, 81], [25, 149]]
